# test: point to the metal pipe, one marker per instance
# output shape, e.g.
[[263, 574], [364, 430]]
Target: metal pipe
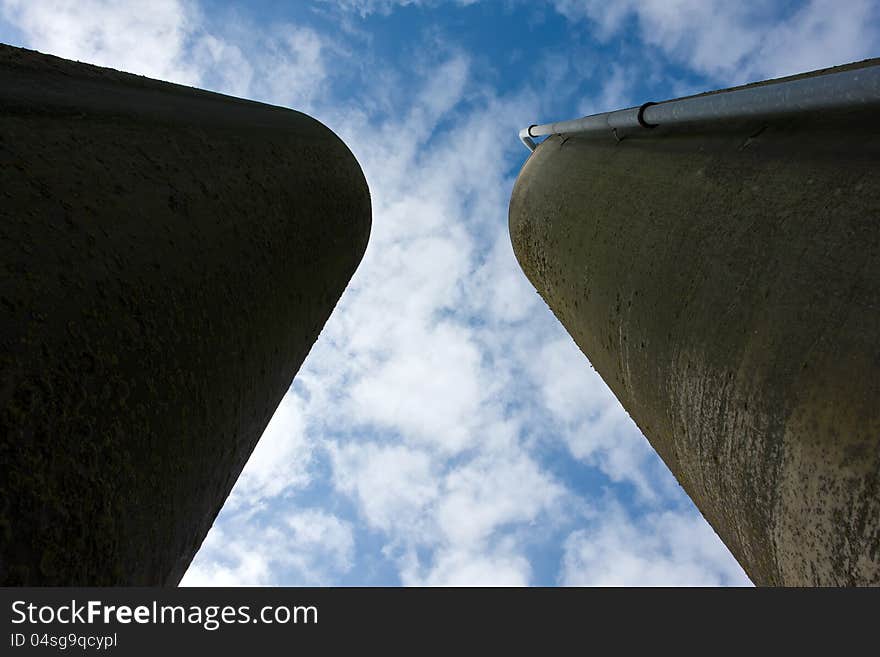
[[854, 88]]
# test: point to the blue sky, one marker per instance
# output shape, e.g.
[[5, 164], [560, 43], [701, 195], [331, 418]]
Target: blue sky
[[444, 428]]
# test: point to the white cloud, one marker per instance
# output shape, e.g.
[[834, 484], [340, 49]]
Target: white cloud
[[500, 288], [147, 38], [501, 487], [169, 40], [232, 71], [736, 42], [393, 484], [311, 547], [428, 390], [822, 33], [294, 59], [456, 567], [592, 422], [280, 462], [661, 549], [615, 92], [224, 560], [367, 7], [320, 539]]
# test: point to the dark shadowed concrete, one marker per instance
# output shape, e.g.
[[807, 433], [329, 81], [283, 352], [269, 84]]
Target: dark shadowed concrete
[[169, 256], [725, 283]]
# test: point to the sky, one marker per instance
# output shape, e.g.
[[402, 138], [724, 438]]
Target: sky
[[445, 429]]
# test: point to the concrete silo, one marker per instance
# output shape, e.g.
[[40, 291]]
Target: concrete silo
[[717, 258], [169, 257]]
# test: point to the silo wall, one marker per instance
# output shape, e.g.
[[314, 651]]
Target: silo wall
[[169, 256], [724, 280]]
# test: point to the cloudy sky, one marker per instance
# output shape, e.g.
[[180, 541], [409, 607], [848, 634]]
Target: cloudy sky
[[445, 429]]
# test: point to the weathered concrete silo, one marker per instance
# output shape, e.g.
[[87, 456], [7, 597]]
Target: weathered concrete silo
[[718, 261], [169, 256]]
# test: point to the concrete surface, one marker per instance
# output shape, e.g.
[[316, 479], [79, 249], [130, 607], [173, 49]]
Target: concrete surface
[[725, 283], [169, 256]]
